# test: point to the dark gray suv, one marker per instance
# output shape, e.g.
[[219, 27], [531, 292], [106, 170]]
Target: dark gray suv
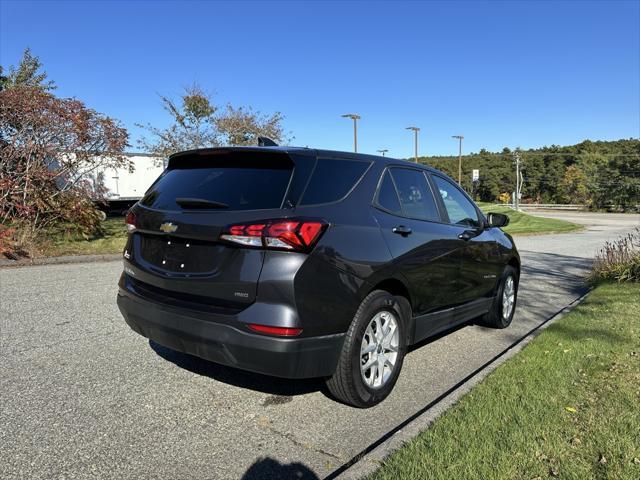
[[301, 263]]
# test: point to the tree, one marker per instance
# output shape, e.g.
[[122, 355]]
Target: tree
[[243, 126], [26, 74], [198, 123], [47, 146], [595, 168], [193, 124], [533, 172], [573, 187], [620, 186]]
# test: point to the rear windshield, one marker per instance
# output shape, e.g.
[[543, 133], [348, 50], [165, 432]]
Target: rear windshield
[[241, 183], [332, 180]]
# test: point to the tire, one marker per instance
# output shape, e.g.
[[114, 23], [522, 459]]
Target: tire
[[496, 316], [350, 384]]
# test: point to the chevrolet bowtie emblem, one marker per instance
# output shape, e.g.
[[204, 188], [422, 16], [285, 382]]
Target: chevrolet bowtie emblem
[[168, 227]]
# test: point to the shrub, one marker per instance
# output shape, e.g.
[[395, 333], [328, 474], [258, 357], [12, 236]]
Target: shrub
[[619, 260]]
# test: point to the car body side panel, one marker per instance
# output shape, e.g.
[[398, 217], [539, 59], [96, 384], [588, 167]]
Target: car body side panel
[[480, 267], [355, 249], [341, 270], [429, 258], [326, 297]]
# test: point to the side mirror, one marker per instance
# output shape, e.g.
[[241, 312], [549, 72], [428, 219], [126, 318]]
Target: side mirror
[[498, 220]]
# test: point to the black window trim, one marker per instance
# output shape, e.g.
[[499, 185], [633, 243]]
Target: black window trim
[[435, 199], [355, 185], [481, 217]]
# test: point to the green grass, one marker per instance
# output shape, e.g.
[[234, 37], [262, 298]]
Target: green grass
[[112, 240], [525, 224], [566, 406]]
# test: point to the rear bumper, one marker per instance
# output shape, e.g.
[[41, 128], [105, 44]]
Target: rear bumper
[[198, 333]]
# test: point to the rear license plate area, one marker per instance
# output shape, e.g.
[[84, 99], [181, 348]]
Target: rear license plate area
[[178, 255]]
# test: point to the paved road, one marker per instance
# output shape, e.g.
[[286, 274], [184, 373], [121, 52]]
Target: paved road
[[83, 396]]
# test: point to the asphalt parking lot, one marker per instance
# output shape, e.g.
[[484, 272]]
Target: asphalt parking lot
[[83, 396]]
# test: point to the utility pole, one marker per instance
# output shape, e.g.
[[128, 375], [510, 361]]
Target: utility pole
[[382, 151], [516, 200], [355, 117], [459, 137], [415, 142]]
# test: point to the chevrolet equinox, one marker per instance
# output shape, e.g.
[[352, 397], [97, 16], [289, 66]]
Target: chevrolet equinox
[[300, 263]]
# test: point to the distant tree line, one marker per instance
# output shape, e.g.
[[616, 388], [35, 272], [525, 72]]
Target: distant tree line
[[600, 174]]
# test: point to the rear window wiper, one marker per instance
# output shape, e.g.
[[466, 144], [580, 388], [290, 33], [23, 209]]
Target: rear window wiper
[[200, 203]]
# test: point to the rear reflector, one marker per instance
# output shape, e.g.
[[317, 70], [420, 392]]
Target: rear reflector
[[286, 234], [280, 331]]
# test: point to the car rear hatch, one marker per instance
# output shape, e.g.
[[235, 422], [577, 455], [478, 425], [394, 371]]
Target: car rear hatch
[[175, 242]]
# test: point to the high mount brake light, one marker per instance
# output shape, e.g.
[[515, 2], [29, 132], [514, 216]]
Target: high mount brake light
[[287, 234], [130, 221]]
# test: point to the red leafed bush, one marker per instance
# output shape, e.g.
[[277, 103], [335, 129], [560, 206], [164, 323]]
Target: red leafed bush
[[47, 145]]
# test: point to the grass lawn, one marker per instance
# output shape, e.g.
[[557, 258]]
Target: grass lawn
[[525, 224], [567, 406], [111, 241]]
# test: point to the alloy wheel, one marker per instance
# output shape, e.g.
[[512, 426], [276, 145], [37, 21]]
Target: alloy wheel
[[508, 297], [379, 350]]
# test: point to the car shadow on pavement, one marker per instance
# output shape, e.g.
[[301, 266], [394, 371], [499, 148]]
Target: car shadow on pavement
[[240, 378], [552, 267], [269, 468]]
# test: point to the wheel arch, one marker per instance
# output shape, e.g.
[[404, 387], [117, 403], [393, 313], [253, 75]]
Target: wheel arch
[[398, 289], [515, 263]]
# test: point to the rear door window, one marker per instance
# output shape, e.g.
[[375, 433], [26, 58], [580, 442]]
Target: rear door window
[[415, 194], [332, 180], [241, 183]]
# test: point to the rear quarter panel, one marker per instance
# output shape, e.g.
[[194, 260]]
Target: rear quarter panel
[[349, 260]]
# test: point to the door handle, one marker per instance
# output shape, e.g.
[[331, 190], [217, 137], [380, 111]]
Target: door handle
[[402, 230]]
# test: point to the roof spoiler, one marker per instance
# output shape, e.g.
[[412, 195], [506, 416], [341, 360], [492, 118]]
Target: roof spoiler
[[266, 142]]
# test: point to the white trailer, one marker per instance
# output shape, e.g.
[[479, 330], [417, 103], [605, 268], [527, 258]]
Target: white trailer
[[118, 188]]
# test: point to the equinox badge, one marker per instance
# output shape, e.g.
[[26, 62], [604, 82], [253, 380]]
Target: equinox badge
[[168, 227]]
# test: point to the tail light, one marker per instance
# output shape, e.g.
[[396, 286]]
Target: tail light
[[289, 234], [130, 221]]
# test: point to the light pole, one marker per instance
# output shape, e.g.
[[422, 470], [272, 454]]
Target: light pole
[[415, 142], [382, 151], [355, 117], [459, 137], [519, 179]]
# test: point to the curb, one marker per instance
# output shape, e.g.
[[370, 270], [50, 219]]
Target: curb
[[371, 458], [29, 262]]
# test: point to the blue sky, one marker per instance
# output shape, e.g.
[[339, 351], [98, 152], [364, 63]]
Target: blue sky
[[500, 73]]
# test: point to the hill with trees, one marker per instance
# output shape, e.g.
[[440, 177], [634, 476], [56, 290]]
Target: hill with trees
[[600, 174]]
